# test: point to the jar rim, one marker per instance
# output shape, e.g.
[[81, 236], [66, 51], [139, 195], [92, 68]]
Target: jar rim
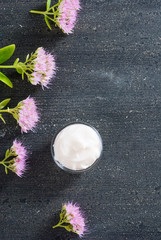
[[68, 169]]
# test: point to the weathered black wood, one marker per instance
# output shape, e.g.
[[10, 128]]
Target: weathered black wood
[[109, 75]]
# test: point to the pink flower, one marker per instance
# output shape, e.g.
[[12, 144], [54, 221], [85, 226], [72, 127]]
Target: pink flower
[[67, 15], [72, 214], [44, 68], [75, 218], [27, 114], [19, 165]]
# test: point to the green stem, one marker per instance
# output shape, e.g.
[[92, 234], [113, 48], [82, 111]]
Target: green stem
[[8, 167], [58, 225], [41, 12], [11, 111], [54, 6], [6, 110], [37, 12], [3, 164], [11, 161], [30, 59], [51, 19], [48, 13], [9, 66], [11, 154], [4, 160]]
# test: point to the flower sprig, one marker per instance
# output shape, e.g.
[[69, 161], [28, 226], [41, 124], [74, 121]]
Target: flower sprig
[[15, 159], [25, 113], [39, 67], [63, 14], [71, 219]]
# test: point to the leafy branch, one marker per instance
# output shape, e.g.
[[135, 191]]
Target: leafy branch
[[5, 54], [50, 11], [2, 105]]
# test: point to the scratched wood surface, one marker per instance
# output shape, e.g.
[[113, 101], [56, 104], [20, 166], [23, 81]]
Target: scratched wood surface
[[109, 75]]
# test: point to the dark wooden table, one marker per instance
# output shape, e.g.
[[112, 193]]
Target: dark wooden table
[[109, 75]]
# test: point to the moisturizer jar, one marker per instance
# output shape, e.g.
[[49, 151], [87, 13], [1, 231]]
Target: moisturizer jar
[[77, 147]]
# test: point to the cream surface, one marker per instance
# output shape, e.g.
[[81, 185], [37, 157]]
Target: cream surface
[[77, 146]]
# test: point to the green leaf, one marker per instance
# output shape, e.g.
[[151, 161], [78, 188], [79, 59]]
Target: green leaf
[[47, 22], [6, 170], [20, 67], [6, 80], [27, 57], [23, 76], [4, 103], [6, 53], [68, 228], [62, 214], [19, 70], [2, 118], [7, 153], [16, 61], [48, 4]]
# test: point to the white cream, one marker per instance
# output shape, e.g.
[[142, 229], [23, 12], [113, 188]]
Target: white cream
[[77, 146]]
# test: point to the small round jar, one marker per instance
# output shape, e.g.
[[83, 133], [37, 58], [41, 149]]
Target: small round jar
[[77, 147]]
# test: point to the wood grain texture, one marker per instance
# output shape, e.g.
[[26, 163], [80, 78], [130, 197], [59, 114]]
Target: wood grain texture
[[109, 75]]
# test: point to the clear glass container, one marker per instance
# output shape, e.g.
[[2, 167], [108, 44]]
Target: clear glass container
[[68, 169]]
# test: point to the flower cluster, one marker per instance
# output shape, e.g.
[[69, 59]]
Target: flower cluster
[[63, 14], [18, 155], [43, 67], [67, 15], [25, 113], [19, 165], [39, 68], [72, 215]]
